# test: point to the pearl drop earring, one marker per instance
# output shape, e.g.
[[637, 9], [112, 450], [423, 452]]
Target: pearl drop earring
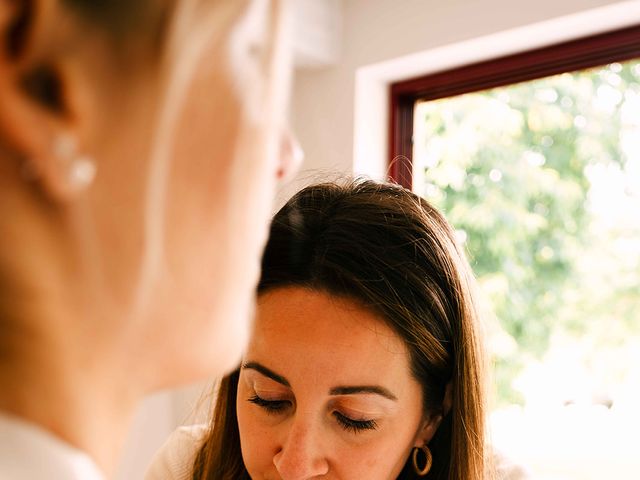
[[80, 170]]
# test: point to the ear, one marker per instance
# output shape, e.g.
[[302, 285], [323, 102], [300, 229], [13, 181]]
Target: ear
[[39, 95], [428, 430], [447, 402], [430, 424]]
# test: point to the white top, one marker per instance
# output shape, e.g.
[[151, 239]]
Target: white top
[[174, 460], [28, 452]]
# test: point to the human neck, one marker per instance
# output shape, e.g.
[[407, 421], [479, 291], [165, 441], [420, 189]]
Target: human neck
[[82, 402], [63, 365]]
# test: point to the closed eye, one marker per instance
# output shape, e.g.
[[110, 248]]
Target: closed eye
[[271, 406], [355, 426]]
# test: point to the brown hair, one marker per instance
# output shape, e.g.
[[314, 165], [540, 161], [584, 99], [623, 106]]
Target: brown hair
[[387, 248]]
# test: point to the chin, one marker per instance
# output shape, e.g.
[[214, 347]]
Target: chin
[[228, 341], [214, 335], [208, 365], [208, 352]]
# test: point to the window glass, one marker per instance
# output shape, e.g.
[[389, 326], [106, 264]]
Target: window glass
[[542, 181]]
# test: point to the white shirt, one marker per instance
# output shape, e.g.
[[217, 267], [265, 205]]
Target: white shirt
[[174, 460], [28, 452]]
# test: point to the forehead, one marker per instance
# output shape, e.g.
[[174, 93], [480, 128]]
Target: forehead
[[303, 333]]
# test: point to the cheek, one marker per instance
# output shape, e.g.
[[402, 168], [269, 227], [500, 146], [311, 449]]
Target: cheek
[[382, 459], [382, 454], [222, 179], [216, 213], [223, 159], [256, 439]]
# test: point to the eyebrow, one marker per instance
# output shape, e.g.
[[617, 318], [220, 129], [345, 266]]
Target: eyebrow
[[266, 372], [342, 390], [363, 389]]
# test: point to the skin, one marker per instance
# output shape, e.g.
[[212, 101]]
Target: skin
[[145, 279], [321, 359]]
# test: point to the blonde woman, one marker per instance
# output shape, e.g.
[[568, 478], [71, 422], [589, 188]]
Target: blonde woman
[[140, 145]]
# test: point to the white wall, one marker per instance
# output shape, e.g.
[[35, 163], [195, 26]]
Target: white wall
[[389, 40], [369, 43]]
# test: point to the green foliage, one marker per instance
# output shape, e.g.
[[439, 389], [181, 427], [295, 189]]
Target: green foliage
[[518, 171]]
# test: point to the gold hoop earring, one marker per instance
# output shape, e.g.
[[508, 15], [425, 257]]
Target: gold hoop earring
[[428, 460]]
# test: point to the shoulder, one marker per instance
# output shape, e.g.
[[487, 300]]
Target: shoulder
[[174, 460], [22, 442]]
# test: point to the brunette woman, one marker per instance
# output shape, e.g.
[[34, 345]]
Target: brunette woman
[[365, 361]]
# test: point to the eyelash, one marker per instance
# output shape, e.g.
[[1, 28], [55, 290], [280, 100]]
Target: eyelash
[[277, 406], [355, 425], [271, 406]]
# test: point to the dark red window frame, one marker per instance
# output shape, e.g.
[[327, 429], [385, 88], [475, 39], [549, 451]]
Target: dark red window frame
[[588, 52]]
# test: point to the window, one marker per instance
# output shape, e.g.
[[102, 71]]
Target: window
[[535, 159]]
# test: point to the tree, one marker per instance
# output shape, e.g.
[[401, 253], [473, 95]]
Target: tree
[[522, 174]]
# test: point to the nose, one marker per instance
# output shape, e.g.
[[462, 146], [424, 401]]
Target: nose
[[300, 456], [291, 156]]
